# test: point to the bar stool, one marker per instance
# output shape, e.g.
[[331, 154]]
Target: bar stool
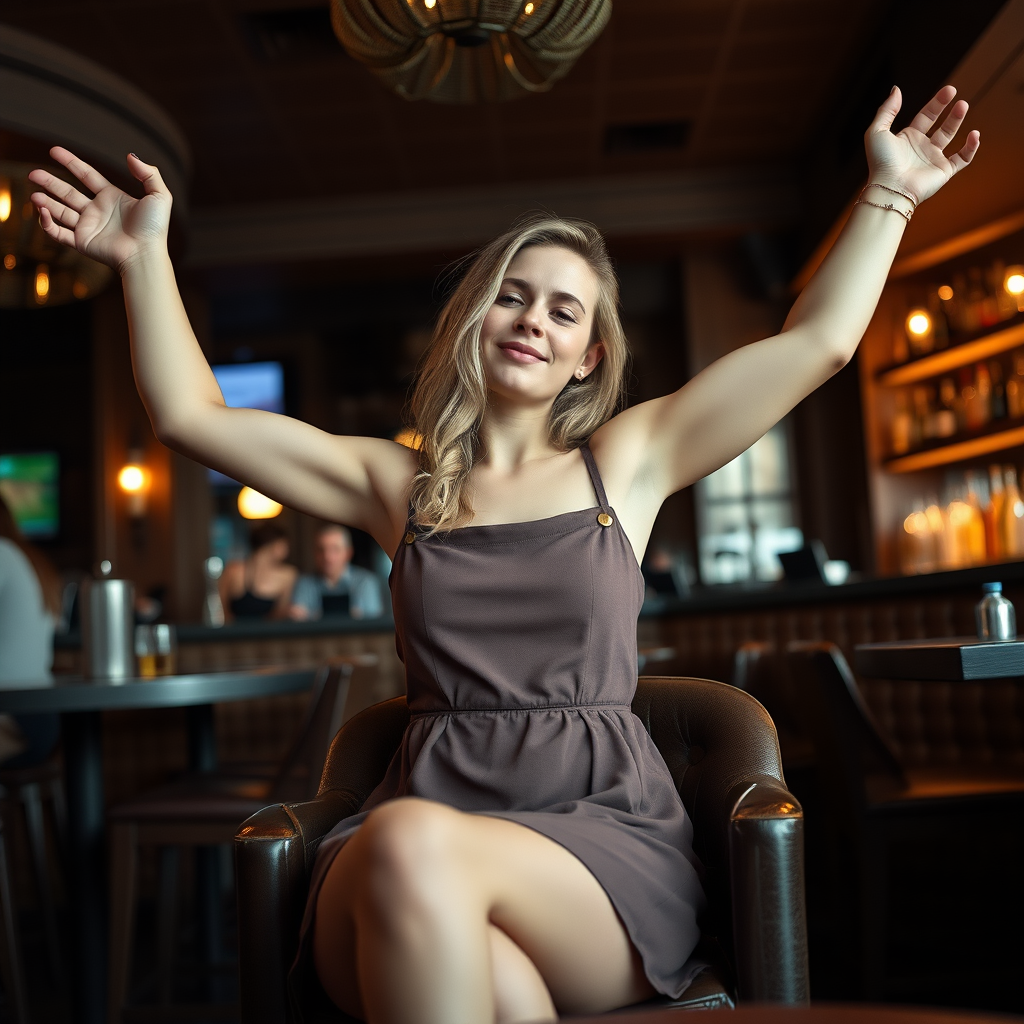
[[27, 788], [10, 953], [205, 810]]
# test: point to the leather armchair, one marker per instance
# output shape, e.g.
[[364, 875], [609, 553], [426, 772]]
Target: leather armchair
[[721, 748]]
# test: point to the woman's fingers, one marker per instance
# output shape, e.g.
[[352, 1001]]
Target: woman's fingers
[[887, 112], [944, 134], [967, 151], [930, 111], [85, 173], [67, 194], [56, 210], [148, 174], [50, 227]]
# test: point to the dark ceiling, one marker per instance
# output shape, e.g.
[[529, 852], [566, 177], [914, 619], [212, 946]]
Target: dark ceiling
[[274, 109]]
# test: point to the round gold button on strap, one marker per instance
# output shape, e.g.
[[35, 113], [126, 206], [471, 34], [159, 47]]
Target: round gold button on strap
[[410, 537], [604, 519]]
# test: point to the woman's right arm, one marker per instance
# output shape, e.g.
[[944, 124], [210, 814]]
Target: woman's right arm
[[359, 481]]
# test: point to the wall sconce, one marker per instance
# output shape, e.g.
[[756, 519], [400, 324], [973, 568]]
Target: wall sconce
[[134, 479], [254, 505]]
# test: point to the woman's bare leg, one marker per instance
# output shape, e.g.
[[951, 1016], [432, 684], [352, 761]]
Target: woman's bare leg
[[405, 920]]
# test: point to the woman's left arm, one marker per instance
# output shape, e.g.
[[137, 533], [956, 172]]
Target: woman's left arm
[[665, 444]]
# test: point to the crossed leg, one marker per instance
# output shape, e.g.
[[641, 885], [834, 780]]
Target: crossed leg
[[432, 916]]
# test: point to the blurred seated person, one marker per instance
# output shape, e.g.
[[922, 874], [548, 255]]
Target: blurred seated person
[[339, 587], [261, 586], [30, 603], [665, 573]]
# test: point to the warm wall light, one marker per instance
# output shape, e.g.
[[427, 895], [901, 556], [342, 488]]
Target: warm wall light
[[254, 505], [10, 261], [945, 292], [919, 323], [133, 478], [42, 283], [5, 200]]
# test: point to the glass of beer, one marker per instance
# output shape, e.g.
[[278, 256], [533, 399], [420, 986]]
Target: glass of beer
[[165, 639], [145, 651]]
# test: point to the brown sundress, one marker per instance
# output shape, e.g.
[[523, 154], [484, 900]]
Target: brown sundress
[[519, 644]]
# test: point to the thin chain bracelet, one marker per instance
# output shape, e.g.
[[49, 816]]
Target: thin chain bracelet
[[894, 191], [888, 206]]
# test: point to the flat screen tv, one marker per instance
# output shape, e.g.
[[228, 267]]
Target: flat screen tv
[[249, 386], [29, 484]]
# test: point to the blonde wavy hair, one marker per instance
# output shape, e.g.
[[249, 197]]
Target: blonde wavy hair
[[450, 395]]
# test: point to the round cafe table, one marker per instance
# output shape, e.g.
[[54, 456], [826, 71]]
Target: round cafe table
[[80, 701]]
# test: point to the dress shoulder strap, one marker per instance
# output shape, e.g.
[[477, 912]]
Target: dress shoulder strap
[[595, 475]]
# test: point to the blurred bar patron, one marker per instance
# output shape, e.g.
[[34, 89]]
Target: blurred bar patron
[[338, 587]]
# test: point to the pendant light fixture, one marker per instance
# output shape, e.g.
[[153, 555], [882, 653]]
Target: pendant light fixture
[[468, 51]]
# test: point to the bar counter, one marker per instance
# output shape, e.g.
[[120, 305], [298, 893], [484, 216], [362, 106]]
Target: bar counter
[[706, 628], [702, 632]]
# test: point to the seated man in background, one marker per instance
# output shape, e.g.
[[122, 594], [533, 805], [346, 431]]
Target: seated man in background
[[338, 588]]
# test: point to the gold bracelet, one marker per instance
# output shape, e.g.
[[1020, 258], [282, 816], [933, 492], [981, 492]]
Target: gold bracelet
[[894, 191], [888, 206]]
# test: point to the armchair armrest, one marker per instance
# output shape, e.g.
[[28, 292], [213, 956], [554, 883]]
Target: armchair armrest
[[766, 866], [274, 851]]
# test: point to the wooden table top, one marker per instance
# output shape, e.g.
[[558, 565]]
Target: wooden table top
[[77, 693], [955, 659]]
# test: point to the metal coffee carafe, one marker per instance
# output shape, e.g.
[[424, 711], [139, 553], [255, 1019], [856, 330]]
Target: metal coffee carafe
[[108, 627]]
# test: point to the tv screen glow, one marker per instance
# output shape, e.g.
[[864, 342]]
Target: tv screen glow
[[29, 486], [252, 385], [249, 386]]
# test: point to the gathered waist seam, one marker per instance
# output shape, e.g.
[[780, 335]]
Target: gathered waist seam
[[600, 706]]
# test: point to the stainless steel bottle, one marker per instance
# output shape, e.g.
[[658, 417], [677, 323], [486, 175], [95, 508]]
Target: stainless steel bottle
[[213, 610], [995, 615], [108, 629]]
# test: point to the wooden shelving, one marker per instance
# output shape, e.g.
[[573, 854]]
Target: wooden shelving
[[953, 358], [957, 451]]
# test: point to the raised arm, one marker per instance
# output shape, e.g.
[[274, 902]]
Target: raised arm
[[666, 444], [358, 481]]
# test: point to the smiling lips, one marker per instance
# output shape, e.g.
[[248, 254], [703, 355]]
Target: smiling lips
[[521, 352]]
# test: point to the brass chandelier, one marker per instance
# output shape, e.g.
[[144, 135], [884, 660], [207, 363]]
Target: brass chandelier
[[467, 51]]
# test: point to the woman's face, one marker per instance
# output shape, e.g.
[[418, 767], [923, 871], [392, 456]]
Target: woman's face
[[536, 335]]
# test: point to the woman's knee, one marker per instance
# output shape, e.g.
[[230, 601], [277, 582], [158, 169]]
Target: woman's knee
[[407, 848]]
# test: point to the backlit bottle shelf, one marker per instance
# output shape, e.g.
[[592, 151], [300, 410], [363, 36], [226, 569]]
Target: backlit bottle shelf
[[957, 451], [953, 358]]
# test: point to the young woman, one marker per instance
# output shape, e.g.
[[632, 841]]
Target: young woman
[[527, 853], [260, 586]]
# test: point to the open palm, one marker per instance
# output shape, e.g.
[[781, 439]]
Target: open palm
[[110, 228], [913, 160]]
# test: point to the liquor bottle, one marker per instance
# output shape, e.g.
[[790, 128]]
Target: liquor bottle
[[984, 312], [1015, 388], [1013, 515], [995, 369], [940, 322], [974, 535], [946, 420], [901, 428], [924, 414], [975, 396], [994, 512]]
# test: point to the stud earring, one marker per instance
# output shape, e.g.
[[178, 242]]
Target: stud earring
[[579, 374]]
